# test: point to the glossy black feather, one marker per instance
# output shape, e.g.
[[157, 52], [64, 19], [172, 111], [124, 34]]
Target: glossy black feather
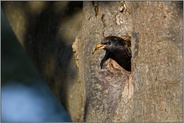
[[119, 50]]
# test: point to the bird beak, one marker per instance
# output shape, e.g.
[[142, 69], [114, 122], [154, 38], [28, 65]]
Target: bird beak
[[98, 47]]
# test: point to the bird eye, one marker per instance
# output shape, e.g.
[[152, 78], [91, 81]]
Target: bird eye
[[108, 43]]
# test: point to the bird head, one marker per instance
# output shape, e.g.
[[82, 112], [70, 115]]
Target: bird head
[[110, 43], [118, 49]]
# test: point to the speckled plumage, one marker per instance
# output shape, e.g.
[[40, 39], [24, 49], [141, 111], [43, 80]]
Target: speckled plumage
[[118, 49]]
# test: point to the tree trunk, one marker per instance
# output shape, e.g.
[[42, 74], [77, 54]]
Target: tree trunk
[[151, 92], [157, 65]]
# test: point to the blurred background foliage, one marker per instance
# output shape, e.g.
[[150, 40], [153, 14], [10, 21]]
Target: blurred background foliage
[[25, 96], [15, 64]]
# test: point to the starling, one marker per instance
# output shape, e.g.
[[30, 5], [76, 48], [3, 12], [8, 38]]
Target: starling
[[118, 49]]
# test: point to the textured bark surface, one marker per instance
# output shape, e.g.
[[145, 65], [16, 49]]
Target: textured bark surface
[[107, 90], [151, 92], [157, 65]]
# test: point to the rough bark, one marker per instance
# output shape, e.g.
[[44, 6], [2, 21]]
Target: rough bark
[[152, 91], [158, 62], [106, 90]]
